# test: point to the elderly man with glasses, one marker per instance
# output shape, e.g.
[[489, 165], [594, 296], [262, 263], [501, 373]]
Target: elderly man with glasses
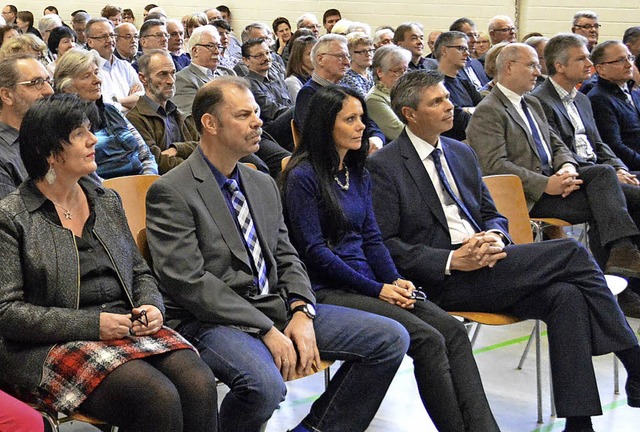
[[331, 59], [120, 84], [204, 46], [585, 23], [126, 42], [501, 29]]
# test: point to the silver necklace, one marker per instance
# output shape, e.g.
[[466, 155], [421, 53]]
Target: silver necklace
[[345, 186], [67, 212]]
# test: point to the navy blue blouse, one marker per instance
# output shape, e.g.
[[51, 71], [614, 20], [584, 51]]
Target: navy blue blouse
[[360, 261]]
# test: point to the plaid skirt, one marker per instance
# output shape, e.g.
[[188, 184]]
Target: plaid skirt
[[74, 369]]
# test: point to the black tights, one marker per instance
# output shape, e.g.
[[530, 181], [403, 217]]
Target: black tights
[[169, 392]]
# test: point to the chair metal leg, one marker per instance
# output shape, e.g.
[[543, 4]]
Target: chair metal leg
[[527, 347], [327, 377], [475, 334], [51, 421], [538, 371], [616, 376]]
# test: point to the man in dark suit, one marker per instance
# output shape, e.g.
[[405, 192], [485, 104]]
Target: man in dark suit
[[235, 287], [510, 135], [615, 103], [452, 52], [443, 231], [569, 114]]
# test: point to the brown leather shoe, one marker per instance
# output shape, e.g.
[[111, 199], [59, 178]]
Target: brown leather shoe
[[629, 302], [624, 261]]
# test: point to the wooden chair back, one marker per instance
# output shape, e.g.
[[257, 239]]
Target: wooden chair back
[[133, 191], [296, 134], [508, 195]]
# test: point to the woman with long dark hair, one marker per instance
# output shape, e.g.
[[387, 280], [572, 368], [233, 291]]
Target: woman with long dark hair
[[327, 200]]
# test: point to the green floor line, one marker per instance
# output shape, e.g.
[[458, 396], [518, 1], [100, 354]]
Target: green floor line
[[505, 343]]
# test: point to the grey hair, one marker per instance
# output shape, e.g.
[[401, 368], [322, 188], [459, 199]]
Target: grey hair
[[445, 39], [70, 65], [386, 56], [303, 17], [359, 27], [407, 91], [491, 56], [246, 33], [323, 43], [94, 21], [49, 22], [492, 21], [378, 35], [80, 17], [584, 14], [196, 35], [557, 50]]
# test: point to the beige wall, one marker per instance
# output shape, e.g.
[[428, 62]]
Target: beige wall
[[546, 16]]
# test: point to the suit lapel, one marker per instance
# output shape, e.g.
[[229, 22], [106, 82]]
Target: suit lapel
[[515, 116], [419, 174], [457, 168], [216, 205], [555, 99], [198, 74]]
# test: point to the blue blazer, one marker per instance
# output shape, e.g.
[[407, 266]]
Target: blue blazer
[[413, 224], [559, 121], [617, 120]]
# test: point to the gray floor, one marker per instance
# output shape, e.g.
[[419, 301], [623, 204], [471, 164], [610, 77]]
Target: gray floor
[[511, 392]]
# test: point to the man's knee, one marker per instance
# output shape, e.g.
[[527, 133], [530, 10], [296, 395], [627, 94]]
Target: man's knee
[[264, 389]]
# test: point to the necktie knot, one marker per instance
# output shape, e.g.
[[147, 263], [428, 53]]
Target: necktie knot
[[232, 185]]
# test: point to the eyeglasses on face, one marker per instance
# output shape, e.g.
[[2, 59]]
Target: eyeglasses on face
[[128, 37], [368, 51], [38, 83], [158, 35], [588, 26], [261, 55], [211, 47], [104, 37], [460, 48], [506, 30], [630, 58], [399, 71], [530, 66], [342, 56]]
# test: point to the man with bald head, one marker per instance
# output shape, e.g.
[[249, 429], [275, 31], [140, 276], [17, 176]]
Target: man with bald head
[[501, 29], [126, 42], [181, 59], [23, 80], [510, 133]]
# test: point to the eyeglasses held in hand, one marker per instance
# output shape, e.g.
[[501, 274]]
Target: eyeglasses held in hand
[[141, 318]]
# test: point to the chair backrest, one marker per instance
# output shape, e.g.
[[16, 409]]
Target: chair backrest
[[285, 161], [143, 246], [508, 195], [133, 191], [296, 134]]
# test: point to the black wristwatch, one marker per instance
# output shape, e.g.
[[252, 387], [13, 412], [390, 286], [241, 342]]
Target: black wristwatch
[[307, 309]]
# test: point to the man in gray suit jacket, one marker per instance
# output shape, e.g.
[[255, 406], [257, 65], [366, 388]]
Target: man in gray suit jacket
[[509, 132], [235, 287], [569, 113], [204, 45]]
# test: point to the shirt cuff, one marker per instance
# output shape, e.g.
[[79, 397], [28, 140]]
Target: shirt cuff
[[376, 142], [447, 267]]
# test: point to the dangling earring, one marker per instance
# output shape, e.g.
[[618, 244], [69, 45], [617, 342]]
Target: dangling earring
[[50, 176]]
